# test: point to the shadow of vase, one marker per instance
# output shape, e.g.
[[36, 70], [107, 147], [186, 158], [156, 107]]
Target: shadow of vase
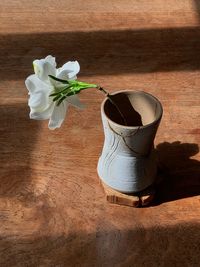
[[179, 175]]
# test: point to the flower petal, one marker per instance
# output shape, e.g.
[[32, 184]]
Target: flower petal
[[74, 101], [69, 70], [65, 75], [42, 115], [58, 115], [39, 93], [51, 60], [38, 101], [33, 84], [43, 68]]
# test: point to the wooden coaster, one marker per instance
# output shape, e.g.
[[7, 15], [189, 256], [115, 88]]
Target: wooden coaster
[[139, 199]]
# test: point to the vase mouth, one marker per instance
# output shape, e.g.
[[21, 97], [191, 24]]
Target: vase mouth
[[148, 100]]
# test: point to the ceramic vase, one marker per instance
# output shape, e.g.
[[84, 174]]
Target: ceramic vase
[[128, 160]]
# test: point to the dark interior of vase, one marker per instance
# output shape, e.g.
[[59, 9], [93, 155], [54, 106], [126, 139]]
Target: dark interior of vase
[[132, 108]]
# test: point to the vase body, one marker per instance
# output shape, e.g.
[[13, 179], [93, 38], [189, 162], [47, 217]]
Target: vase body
[[128, 161]]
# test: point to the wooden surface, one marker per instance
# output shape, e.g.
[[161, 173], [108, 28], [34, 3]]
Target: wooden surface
[[53, 211]]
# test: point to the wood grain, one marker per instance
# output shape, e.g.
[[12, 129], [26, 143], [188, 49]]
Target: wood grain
[[141, 199], [53, 210]]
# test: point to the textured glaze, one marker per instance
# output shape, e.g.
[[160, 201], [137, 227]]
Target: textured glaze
[[128, 162]]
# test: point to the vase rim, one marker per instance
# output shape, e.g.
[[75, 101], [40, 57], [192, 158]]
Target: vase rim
[[132, 127]]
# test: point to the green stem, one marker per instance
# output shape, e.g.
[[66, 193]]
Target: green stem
[[74, 87]]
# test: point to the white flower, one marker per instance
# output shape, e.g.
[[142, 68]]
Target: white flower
[[40, 86]]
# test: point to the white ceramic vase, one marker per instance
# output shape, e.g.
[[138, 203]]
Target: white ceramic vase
[[128, 162]]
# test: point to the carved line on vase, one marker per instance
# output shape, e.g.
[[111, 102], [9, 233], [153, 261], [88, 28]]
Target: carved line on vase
[[112, 154], [124, 140], [109, 148]]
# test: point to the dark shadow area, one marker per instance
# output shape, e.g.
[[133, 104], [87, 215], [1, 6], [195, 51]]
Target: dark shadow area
[[104, 52], [197, 7], [120, 110], [176, 245], [17, 138], [180, 175]]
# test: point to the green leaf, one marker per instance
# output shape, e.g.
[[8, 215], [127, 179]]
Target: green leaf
[[73, 87], [56, 98], [64, 89], [61, 99], [58, 80], [54, 94], [87, 85]]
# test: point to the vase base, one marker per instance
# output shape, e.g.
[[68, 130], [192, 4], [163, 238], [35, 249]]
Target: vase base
[[140, 199]]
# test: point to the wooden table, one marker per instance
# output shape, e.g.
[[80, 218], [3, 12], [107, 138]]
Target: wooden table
[[53, 210]]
